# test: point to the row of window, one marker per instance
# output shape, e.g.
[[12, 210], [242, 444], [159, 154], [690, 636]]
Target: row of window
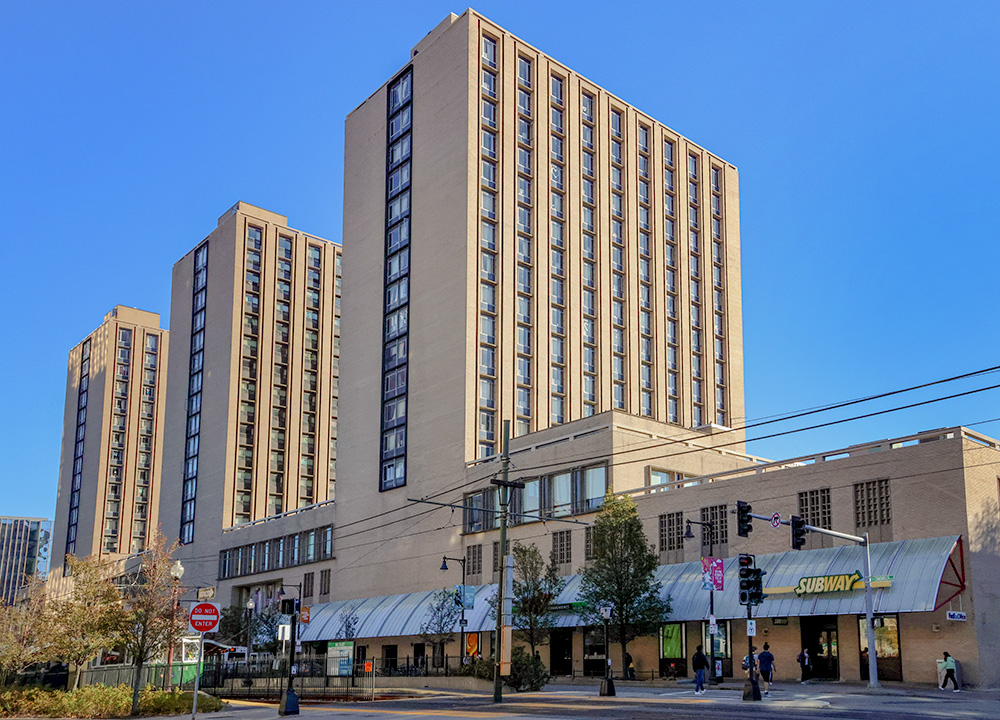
[[76, 481], [621, 266], [301, 548], [395, 347], [111, 540], [189, 486], [573, 492]]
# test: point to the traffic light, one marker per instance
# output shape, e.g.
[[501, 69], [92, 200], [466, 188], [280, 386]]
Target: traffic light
[[798, 532], [746, 563], [751, 581], [756, 593], [744, 522]]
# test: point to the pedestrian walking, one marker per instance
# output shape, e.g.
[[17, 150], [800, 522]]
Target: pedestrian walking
[[765, 663], [805, 663], [948, 664], [699, 663]]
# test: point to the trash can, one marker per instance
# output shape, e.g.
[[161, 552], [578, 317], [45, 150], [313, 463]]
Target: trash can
[[940, 672]]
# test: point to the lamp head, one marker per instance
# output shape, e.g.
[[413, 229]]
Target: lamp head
[[177, 570], [444, 563], [251, 605], [688, 535]]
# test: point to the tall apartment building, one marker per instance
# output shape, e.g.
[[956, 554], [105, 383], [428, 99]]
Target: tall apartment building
[[109, 471], [251, 414], [523, 245], [24, 553]]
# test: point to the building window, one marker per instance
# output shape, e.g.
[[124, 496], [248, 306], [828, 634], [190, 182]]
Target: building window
[[671, 531], [716, 539], [873, 510], [474, 559], [308, 581], [562, 548], [324, 582]]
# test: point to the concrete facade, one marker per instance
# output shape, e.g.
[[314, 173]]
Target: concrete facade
[[251, 415], [112, 445], [593, 268]]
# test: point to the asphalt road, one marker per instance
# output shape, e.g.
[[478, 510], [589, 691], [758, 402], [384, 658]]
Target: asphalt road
[[791, 704]]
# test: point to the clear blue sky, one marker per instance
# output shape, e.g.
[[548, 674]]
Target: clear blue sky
[[865, 135]]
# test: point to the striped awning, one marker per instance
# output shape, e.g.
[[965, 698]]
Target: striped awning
[[908, 578]]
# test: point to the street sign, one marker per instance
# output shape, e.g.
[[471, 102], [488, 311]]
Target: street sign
[[204, 617], [713, 629], [463, 622], [304, 613], [368, 666], [776, 520], [751, 628], [206, 593], [712, 575], [606, 613], [957, 615]]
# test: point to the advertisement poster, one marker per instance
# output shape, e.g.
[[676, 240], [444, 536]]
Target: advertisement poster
[[712, 574]]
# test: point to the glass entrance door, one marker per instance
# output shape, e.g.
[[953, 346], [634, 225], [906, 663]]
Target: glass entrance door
[[819, 635]]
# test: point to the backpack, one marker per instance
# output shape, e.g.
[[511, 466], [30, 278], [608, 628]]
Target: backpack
[[746, 662]]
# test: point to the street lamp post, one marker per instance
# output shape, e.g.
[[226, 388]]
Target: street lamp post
[[250, 608], [444, 566], [289, 704], [688, 535], [176, 572]]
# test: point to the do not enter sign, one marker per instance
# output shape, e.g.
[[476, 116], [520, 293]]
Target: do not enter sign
[[204, 617]]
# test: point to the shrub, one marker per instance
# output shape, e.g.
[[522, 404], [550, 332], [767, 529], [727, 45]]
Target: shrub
[[526, 672], [99, 701]]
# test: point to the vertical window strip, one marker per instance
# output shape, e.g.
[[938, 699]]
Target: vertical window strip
[[395, 336], [76, 479], [189, 485]]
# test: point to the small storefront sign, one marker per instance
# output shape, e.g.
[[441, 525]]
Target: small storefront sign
[[957, 615]]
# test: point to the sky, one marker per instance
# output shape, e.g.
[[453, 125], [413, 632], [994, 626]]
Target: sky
[[864, 134]]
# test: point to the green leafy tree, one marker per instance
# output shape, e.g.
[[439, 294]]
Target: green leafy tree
[[536, 586], [145, 622], [78, 624], [621, 576], [22, 630], [236, 626], [438, 627]]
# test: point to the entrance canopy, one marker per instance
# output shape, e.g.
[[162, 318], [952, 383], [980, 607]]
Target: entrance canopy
[[909, 576]]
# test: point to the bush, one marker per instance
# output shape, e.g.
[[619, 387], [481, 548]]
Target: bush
[[527, 673], [99, 701]]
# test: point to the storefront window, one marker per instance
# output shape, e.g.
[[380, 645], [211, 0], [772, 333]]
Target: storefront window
[[673, 653], [890, 664]]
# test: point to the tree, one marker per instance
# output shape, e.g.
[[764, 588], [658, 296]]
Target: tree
[[78, 625], [145, 623], [438, 627], [621, 576], [348, 622], [21, 632], [536, 585], [236, 625]]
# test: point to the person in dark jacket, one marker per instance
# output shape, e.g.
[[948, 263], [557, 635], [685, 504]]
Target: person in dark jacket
[[699, 663]]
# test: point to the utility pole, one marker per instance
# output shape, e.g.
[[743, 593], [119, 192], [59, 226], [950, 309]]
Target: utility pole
[[504, 600]]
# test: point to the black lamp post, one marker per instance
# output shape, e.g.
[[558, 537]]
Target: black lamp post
[[461, 624], [688, 535], [289, 699]]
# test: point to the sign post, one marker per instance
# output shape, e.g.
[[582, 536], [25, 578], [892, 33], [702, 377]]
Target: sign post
[[204, 617]]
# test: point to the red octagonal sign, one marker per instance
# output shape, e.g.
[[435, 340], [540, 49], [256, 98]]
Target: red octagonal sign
[[204, 616]]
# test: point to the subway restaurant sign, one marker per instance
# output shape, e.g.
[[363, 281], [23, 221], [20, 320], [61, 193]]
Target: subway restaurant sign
[[844, 582]]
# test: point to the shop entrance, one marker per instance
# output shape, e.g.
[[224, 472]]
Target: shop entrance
[[819, 634], [561, 651]]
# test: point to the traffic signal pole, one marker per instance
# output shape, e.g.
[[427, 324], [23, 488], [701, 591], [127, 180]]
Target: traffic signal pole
[[869, 600]]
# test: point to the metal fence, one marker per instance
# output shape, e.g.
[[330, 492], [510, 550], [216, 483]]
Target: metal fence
[[256, 679]]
